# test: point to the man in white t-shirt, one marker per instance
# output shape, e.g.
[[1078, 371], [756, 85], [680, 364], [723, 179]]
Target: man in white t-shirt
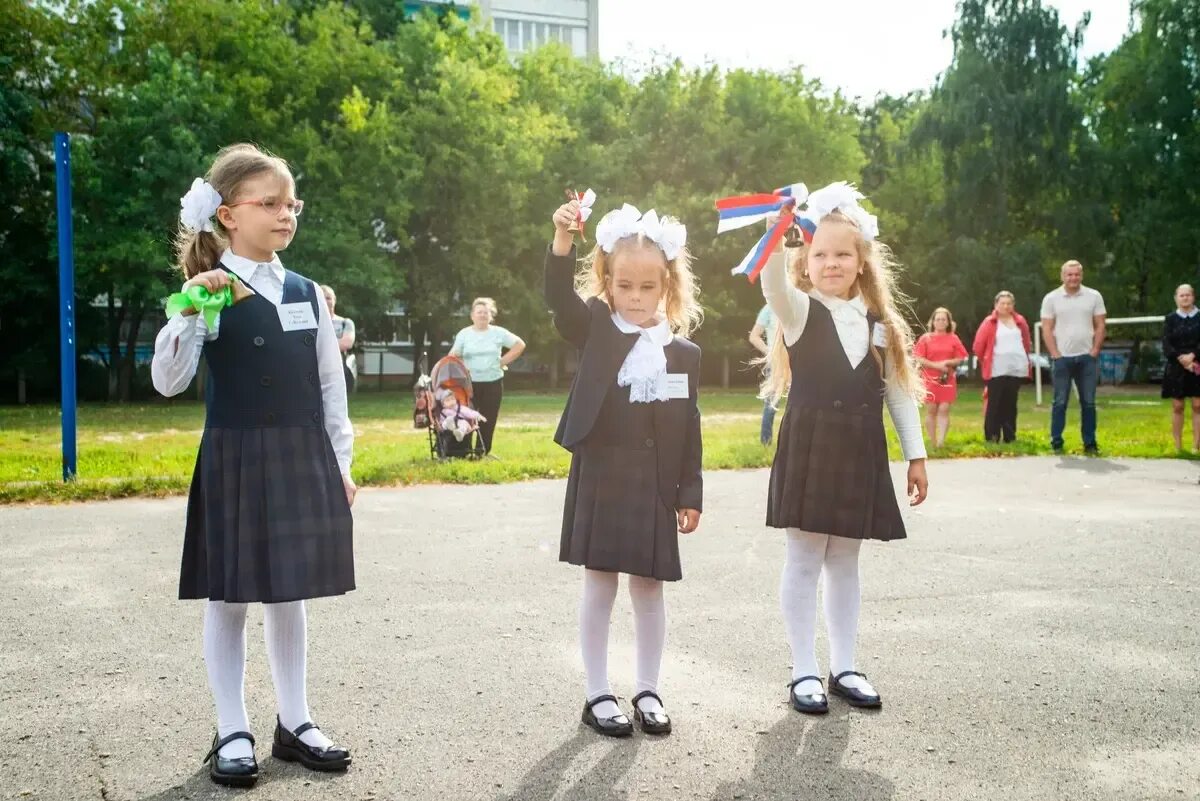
[[1073, 326]]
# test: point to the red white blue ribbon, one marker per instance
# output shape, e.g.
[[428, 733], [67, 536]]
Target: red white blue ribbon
[[743, 210]]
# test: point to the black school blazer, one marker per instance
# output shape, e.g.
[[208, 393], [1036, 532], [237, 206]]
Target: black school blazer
[[603, 348]]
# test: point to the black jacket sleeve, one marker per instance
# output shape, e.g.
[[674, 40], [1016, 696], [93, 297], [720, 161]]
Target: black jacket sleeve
[[1171, 348], [691, 479], [571, 316]]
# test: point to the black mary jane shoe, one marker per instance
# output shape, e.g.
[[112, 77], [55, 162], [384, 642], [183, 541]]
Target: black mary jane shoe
[[811, 704], [853, 696], [616, 726], [239, 772], [651, 722], [290, 748]]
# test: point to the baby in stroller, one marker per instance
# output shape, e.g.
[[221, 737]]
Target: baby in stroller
[[456, 419]]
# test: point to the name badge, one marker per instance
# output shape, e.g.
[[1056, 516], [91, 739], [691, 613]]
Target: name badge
[[296, 316], [879, 339], [677, 385]]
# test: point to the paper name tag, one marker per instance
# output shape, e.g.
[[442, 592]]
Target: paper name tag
[[676, 385], [296, 316], [879, 339]]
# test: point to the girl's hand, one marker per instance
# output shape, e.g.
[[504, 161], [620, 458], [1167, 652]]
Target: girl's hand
[[689, 520], [918, 482], [351, 489], [564, 217], [1186, 360], [212, 280]]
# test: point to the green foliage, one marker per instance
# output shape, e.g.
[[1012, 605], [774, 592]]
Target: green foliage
[[430, 160]]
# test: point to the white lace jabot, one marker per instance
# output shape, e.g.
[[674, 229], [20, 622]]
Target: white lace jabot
[[645, 368]]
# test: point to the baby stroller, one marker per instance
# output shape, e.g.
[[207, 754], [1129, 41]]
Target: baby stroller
[[449, 377]]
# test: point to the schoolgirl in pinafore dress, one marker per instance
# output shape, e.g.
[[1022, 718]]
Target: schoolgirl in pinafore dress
[[830, 485], [268, 514]]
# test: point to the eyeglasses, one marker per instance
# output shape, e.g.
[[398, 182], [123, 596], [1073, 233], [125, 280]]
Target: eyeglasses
[[272, 205]]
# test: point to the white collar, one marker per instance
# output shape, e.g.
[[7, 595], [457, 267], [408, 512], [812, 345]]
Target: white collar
[[658, 334], [835, 304], [246, 269], [1195, 310]]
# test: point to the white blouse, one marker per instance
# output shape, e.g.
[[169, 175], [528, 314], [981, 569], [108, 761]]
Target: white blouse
[[644, 370], [178, 346], [791, 306], [1008, 355]]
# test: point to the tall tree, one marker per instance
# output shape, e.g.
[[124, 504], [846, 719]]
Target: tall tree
[[1006, 119]]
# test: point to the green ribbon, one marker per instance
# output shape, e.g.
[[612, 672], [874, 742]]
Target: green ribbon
[[208, 304]]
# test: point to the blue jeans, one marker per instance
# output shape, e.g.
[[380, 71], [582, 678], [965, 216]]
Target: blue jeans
[[1084, 372], [768, 423]]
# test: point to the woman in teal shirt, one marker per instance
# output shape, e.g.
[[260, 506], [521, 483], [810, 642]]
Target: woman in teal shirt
[[481, 346]]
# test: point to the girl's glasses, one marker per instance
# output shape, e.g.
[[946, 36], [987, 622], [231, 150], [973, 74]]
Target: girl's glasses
[[272, 205]]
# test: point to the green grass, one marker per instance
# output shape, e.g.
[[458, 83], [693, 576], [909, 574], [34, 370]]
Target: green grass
[[149, 450]]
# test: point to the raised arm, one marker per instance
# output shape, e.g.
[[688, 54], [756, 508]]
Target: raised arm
[[789, 303], [571, 316]]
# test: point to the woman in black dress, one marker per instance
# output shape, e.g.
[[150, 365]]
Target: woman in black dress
[[1181, 379]]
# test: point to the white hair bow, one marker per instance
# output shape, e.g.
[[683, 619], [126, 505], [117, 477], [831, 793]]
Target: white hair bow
[[628, 221], [843, 197], [198, 206]]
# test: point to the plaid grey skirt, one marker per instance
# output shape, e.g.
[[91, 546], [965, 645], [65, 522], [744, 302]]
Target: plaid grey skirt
[[830, 475], [614, 518], [267, 518]]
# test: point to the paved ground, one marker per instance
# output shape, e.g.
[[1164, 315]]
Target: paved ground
[[1035, 638]]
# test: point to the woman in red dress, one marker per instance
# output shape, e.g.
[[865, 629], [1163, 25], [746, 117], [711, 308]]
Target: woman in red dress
[[939, 351]]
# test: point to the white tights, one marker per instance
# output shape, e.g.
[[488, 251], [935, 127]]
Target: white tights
[[650, 632], [285, 630], [808, 556]]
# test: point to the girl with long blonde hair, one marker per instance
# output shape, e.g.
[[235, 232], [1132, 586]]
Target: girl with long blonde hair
[[841, 353]]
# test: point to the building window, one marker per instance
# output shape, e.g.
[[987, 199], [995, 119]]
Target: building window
[[579, 41], [510, 32]]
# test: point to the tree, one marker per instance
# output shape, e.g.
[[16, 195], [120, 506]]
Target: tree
[[28, 306], [1146, 126], [1007, 121]]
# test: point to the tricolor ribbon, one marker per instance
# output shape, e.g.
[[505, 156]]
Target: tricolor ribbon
[[208, 304], [743, 210]]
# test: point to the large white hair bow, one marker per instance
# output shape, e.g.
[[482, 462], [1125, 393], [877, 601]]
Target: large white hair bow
[[198, 206], [843, 197], [628, 221]]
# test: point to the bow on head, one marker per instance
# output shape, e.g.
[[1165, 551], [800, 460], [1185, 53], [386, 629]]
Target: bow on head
[[628, 221]]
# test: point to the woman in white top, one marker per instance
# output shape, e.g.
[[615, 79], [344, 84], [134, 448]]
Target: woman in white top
[[1002, 345]]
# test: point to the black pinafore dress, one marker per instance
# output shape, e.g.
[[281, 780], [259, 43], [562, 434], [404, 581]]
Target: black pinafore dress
[[267, 516], [830, 474]]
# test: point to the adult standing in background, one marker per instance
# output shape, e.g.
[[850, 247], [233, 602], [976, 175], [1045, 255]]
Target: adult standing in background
[[762, 335], [481, 346], [1073, 325], [939, 351], [343, 329], [1181, 376], [1002, 345]]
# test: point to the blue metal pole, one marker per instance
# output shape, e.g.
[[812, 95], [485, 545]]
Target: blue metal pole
[[66, 301]]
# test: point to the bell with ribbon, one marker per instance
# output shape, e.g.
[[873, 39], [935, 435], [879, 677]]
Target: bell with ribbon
[[586, 199]]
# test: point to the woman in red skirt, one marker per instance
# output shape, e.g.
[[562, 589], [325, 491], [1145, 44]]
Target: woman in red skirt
[[939, 351]]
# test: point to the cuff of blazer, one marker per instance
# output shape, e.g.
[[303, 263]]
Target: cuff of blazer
[[553, 260], [690, 498]]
